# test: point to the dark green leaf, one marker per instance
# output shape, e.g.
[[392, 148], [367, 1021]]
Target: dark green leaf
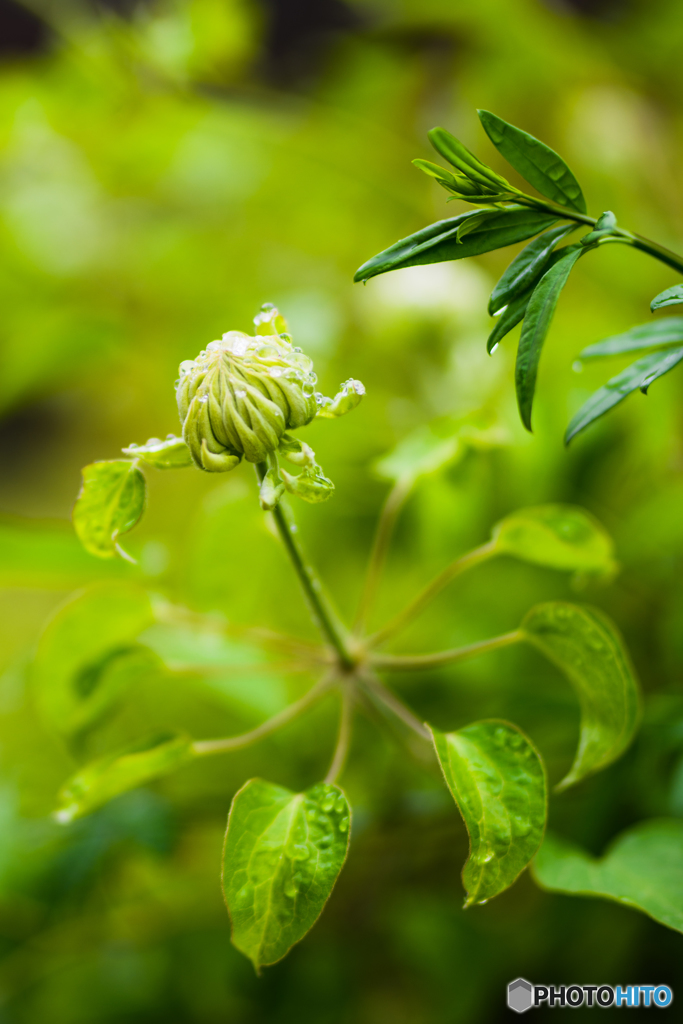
[[639, 375], [587, 647], [111, 502], [643, 869], [131, 766], [508, 320], [283, 852], [86, 655], [537, 320], [438, 242], [498, 781], [526, 268], [671, 297], [661, 333], [459, 156], [171, 453], [560, 536], [536, 162]]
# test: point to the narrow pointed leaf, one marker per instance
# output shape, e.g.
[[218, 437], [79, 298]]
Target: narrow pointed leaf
[[560, 536], [537, 320], [643, 868], [111, 502], [497, 779], [639, 375], [87, 655], [508, 320], [438, 242], [459, 156], [586, 646], [671, 297], [131, 766], [663, 333], [538, 164], [527, 267], [171, 453], [283, 853]]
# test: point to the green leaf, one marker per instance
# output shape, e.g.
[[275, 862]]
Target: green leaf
[[422, 451], [438, 242], [171, 453], [536, 162], [559, 536], [86, 655], [640, 374], [586, 646], [282, 855], [661, 333], [116, 773], [459, 156], [526, 268], [671, 297], [643, 868], [111, 502], [537, 321], [508, 320], [498, 781]]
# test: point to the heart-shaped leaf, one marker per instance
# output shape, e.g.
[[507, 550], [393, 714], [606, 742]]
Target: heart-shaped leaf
[[538, 164], [111, 502], [559, 536], [586, 646], [283, 852], [643, 868], [661, 333], [497, 779], [671, 297]]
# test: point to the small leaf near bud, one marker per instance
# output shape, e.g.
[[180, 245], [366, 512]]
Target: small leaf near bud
[[346, 399], [269, 320], [312, 485], [296, 451], [110, 503], [272, 488], [171, 453]]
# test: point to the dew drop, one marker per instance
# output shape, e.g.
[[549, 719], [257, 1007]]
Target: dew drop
[[344, 824]]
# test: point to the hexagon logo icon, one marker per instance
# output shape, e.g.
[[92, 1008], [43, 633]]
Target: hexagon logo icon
[[520, 995]]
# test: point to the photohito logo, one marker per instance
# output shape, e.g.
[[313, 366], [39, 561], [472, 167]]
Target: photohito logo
[[523, 996]]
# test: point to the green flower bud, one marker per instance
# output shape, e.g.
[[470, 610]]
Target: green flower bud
[[240, 395]]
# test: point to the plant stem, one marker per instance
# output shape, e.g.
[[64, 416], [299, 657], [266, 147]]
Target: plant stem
[[415, 662], [385, 528], [404, 618], [324, 615], [343, 737], [373, 686], [202, 748]]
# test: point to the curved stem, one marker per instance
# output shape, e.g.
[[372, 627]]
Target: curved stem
[[202, 748], [324, 615], [385, 528], [343, 737], [415, 662], [404, 618]]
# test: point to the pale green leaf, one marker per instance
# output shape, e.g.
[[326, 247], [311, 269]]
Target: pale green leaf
[[87, 656], [171, 453], [422, 451], [283, 852], [670, 297], [111, 502], [498, 781], [560, 536], [643, 869], [131, 766], [586, 646], [540, 165], [658, 334], [638, 375]]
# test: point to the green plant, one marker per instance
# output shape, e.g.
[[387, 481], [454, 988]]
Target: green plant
[[283, 849], [529, 290]]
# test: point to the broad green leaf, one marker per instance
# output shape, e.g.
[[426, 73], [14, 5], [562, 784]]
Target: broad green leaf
[[459, 156], [111, 502], [661, 333], [422, 451], [498, 781], [671, 297], [100, 781], [47, 555], [586, 646], [508, 320], [86, 655], [537, 319], [640, 374], [559, 536], [537, 163], [643, 868], [282, 855], [171, 453], [526, 268], [439, 241]]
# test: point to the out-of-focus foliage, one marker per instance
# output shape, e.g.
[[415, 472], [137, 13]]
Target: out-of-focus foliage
[[165, 170]]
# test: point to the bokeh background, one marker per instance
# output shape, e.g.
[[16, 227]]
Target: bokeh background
[[166, 167]]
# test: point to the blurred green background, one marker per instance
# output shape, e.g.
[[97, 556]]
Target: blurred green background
[[165, 168]]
